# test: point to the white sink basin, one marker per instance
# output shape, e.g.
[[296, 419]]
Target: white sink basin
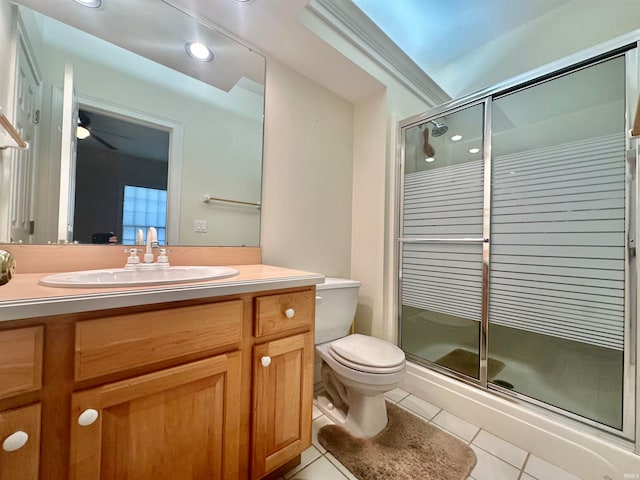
[[120, 277]]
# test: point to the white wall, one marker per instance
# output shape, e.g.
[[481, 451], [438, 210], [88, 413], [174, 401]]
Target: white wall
[[570, 28], [374, 167], [307, 178], [6, 28]]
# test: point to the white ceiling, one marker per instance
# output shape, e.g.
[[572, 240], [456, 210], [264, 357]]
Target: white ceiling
[[443, 37], [436, 32]]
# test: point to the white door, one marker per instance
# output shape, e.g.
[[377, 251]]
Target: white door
[[67, 158], [23, 163]]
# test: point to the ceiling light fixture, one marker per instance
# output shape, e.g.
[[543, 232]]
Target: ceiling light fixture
[[474, 150], [199, 51], [429, 159], [89, 3], [456, 138], [82, 132]]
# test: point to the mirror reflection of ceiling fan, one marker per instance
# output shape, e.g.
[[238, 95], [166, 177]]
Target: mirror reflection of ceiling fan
[[85, 130]]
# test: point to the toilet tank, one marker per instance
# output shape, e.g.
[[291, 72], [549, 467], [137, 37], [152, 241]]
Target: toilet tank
[[336, 302]]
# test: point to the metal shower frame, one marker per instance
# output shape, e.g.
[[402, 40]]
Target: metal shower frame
[[627, 46]]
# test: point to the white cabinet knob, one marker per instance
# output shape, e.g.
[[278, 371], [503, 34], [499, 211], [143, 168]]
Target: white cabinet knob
[[87, 417], [266, 361], [15, 441], [290, 312]]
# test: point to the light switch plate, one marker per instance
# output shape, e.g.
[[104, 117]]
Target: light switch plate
[[200, 226]]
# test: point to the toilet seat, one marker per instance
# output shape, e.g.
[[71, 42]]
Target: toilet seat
[[367, 354], [356, 375], [365, 368]]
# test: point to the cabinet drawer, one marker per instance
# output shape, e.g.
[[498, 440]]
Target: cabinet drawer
[[21, 462], [122, 342], [286, 311], [20, 360]]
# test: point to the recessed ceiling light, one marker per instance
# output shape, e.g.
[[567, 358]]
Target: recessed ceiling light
[[244, 2], [429, 159], [474, 150], [455, 138], [89, 3], [199, 51]]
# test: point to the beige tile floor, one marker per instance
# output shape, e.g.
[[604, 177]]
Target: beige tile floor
[[497, 458]]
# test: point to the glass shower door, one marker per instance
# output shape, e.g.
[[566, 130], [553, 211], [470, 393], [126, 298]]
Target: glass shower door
[[558, 242], [441, 284]]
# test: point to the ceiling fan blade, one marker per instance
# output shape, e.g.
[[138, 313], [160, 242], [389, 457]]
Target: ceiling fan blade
[[113, 134], [103, 142]]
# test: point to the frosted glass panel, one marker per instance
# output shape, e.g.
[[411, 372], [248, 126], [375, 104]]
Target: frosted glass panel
[[441, 275], [557, 285]]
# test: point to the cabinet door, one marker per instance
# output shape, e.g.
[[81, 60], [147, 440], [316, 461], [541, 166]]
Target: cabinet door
[[282, 401], [20, 437], [181, 422]]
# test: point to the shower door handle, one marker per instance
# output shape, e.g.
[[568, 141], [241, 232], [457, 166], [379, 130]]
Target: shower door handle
[[635, 130], [443, 240]]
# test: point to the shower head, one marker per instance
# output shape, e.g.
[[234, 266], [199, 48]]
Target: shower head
[[438, 128]]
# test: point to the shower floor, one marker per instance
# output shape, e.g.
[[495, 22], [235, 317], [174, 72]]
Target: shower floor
[[583, 379]]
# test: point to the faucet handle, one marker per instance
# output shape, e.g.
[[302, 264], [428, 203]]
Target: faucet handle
[[133, 258], [163, 259]]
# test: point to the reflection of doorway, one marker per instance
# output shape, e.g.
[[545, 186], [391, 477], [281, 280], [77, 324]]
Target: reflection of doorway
[[117, 152], [18, 168]]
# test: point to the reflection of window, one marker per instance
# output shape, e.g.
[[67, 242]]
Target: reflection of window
[[143, 208]]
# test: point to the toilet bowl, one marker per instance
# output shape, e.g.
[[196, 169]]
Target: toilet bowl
[[357, 370]]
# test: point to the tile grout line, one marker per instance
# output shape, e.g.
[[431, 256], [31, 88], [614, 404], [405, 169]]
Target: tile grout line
[[526, 460]]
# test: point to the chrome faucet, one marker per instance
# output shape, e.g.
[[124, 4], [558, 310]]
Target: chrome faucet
[[7, 267]]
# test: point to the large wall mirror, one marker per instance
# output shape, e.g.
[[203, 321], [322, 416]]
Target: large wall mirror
[[126, 129]]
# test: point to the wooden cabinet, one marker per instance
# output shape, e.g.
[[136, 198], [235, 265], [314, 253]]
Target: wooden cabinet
[[121, 342], [20, 374], [282, 313], [20, 361], [282, 393], [20, 437], [282, 379], [180, 422], [180, 390]]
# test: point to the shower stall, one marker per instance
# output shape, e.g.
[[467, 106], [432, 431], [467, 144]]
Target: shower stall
[[517, 232]]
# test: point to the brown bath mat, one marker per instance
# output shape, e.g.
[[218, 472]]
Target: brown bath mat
[[467, 362], [408, 448]]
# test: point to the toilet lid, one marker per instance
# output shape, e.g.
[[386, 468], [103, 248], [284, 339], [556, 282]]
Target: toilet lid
[[368, 354]]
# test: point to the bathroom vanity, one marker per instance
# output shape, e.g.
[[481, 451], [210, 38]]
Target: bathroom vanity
[[203, 380]]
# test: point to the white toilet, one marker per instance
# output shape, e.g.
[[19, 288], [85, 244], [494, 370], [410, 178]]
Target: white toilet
[[357, 370]]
